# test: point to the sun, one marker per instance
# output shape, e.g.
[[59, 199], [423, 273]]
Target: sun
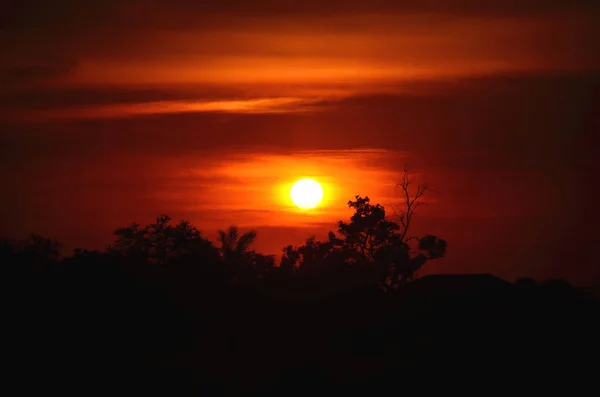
[[306, 193]]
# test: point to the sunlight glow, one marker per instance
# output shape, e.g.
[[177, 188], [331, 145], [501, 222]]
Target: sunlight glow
[[306, 193]]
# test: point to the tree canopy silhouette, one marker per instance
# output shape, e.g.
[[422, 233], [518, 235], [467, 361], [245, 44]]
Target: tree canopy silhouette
[[371, 240], [369, 247], [161, 242]]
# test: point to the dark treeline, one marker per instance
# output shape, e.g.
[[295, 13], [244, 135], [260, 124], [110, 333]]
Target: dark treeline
[[164, 309]]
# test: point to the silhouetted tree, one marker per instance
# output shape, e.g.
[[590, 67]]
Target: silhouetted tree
[[262, 264], [234, 247], [370, 238], [289, 260], [34, 253], [161, 242], [40, 248], [235, 253], [411, 200], [368, 230], [428, 247]]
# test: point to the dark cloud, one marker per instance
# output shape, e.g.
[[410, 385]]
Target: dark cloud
[[106, 23], [62, 97], [528, 87], [74, 12]]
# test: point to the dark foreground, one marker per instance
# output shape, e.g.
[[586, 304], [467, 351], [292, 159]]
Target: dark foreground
[[85, 334]]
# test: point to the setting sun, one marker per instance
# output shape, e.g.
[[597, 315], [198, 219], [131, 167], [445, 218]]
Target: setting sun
[[306, 193]]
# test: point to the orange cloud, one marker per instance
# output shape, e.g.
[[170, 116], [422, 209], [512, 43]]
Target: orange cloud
[[351, 49]]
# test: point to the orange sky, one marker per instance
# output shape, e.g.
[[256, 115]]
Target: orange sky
[[350, 49], [123, 110]]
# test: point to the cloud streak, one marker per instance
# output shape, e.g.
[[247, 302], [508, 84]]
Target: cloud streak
[[124, 110]]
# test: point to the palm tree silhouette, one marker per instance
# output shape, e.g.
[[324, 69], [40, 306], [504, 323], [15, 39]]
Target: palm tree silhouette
[[234, 247], [234, 251]]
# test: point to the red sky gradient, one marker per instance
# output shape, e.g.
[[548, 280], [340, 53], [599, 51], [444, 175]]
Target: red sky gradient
[[118, 111]]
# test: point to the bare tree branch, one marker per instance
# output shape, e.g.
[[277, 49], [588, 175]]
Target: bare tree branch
[[410, 201]]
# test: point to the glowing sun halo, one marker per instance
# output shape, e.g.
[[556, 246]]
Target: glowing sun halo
[[306, 193]]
